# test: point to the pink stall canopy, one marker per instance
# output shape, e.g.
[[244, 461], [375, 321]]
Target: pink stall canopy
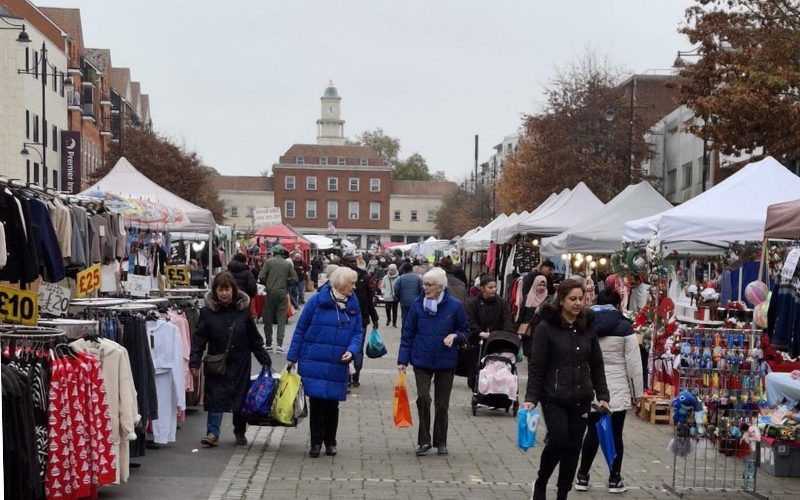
[[783, 221], [286, 236]]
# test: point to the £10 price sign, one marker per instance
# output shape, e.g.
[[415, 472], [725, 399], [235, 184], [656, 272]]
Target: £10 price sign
[[18, 306], [88, 280]]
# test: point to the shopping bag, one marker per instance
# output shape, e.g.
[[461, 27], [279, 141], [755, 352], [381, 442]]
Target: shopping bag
[[467, 365], [402, 410], [258, 401], [375, 345], [283, 407], [300, 408], [527, 425], [605, 434], [289, 308]]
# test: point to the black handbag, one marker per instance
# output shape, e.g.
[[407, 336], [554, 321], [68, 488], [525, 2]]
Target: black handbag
[[215, 364], [467, 360]]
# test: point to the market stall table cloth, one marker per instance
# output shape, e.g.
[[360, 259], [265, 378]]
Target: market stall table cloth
[[781, 386]]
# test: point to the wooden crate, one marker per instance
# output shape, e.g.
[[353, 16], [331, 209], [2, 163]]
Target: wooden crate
[[656, 413]]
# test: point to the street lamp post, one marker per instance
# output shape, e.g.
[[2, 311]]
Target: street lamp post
[[610, 114]]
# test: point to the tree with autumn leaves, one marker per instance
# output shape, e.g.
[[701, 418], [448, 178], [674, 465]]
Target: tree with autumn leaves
[[164, 163], [745, 83]]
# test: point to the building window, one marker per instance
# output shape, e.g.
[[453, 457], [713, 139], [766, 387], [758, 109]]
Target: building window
[[35, 173], [288, 209], [311, 209], [687, 175], [55, 138], [363, 162], [374, 210], [375, 185], [431, 216], [44, 176], [333, 183], [397, 215], [27, 170], [414, 217], [27, 122], [311, 183], [234, 211], [35, 128], [672, 178], [354, 184], [333, 209], [323, 160], [288, 183], [55, 179], [341, 161], [352, 210], [299, 160], [44, 133]]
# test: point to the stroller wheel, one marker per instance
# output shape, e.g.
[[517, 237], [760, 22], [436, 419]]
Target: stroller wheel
[[474, 406]]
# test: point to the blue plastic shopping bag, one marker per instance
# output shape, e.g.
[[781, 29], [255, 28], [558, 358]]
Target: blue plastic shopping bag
[[258, 401], [605, 434], [375, 345], [527, 423]]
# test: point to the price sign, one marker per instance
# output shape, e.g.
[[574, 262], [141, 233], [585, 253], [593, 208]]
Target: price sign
[[137, 286], [53, 299], [18, 306], [88, 280], [178, 275]]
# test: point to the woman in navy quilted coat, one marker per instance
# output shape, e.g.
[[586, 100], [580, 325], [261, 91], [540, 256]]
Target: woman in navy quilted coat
[[327, 335]]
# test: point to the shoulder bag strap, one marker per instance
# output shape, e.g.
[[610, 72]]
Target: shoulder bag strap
[[230, 336]]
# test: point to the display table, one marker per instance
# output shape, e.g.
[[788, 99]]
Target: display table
[[781, 386]]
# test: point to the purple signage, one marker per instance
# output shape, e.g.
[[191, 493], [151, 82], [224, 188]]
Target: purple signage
[[70, 161]]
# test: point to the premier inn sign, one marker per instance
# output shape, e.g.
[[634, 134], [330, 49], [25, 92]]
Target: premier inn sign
[[70, 162]]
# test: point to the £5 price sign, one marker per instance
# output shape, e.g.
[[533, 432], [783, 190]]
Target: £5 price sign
[[88, 280], [178, 275], [18, 306]]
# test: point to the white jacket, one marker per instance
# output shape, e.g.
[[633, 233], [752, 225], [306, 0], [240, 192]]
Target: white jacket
[[621, 357], [387, 288]]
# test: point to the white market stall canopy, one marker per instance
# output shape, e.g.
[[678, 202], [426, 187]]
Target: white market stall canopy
[[733, 210], [569, 209], [480, 240], [501, 233], [429, 246], [125, 181], [602, 232], [506, 231]]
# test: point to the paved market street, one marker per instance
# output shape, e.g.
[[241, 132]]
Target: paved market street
[[376, 460]]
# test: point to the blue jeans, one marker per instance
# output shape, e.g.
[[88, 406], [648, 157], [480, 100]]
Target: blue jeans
[[214, 422], [298, 294]]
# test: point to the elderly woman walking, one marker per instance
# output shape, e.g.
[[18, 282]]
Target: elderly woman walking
[[435, 324], [325, 340]]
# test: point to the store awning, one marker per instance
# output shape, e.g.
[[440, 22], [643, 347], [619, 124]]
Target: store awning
[[783, 221]]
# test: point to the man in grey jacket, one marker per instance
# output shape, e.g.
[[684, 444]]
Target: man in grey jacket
[[407, 288], [277, 275]]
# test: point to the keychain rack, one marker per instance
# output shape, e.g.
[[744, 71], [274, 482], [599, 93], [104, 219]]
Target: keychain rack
[[722, 368]]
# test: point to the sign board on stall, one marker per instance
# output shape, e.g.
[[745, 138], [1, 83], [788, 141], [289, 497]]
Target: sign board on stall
[[137, 286], [178, 275], [88, 280], [19, 306], [53, 299], [270, 216]]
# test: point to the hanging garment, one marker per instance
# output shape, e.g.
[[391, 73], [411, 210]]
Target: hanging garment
[[80, 237], [3, 251], [21, 465], [783, 323], [20, 262], [167, 350], [49, 263], [135, 340], [62, 224], [182, 323]]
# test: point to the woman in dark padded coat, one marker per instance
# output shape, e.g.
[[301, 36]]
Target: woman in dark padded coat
[[565, 373], [243, 276]]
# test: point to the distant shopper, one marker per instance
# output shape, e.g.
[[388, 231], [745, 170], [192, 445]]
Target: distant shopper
[[488, 312], [277, 275], [546, 268], [224, 319], [328, 334], [565, 372], [531, 312], [456, 279], [387, 290], [407, 288], [243, 276], [366, 301], [623, 369], [435, 325], [301, 268]]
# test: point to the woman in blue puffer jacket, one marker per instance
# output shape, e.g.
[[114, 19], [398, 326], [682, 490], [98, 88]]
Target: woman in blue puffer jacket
[[435, 324], [327, 335]]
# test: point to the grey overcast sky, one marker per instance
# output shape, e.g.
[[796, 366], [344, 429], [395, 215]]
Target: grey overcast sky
[[239, 81]]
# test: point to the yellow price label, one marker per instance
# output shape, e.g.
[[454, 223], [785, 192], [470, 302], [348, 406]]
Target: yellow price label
[[88, 280], [178, 275], [19, 306]]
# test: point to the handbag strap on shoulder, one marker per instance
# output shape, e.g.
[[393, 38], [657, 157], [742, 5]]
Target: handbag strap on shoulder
[[230, 336]]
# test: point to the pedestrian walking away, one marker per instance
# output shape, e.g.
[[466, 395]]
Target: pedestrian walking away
[[241, 273], [325, 339], [226, 327], [389, 298], [277, 275], [435, 325], [301, 268], [623, 370], [407, 288], [565, 372], [366, 302]]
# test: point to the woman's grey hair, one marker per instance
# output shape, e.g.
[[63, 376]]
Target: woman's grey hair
[[436, 275], [342, 276], [330, 270]]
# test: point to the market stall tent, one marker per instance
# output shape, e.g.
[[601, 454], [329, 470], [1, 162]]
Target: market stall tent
[[507, 230], [733, 210], [503, 232], [481, 240], [602, 231], [783, 221], [568, 210], [124, 180], [286, 236]]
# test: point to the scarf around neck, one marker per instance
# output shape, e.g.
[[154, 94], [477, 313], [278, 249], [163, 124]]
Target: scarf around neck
[[534, 298], [431, 305], [339, 299]]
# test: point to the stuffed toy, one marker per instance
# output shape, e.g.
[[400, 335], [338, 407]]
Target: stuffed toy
[[683, 405]]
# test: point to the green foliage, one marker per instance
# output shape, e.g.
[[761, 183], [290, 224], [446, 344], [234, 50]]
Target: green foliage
[[413, 168]]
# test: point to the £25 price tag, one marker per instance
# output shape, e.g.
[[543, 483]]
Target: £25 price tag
[[88, 280], [19, 306], [178, 275]]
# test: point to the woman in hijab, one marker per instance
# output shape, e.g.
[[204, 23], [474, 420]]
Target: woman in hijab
[[530, 317]]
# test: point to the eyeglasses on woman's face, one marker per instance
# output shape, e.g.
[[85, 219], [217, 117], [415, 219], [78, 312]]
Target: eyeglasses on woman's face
[[430, 285]]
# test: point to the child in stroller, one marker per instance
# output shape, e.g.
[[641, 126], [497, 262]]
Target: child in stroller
[[497, 373]]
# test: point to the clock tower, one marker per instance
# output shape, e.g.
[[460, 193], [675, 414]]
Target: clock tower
[[330, 126]]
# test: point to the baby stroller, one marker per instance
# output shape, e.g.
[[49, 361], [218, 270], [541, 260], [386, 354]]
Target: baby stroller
[[497, 383]]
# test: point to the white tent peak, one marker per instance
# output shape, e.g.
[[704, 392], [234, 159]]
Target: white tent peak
[[564, 212]]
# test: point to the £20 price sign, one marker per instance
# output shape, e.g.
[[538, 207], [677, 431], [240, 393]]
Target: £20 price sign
[[88, 280], [18, 306]]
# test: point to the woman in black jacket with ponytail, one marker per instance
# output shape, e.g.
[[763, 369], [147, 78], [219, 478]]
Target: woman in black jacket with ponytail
[[565, 373]]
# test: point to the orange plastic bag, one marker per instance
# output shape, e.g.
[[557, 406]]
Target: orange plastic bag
[[289, 308], [402, 410]]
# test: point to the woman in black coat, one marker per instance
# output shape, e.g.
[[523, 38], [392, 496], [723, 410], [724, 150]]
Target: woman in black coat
[[488, 312], [243, 276], [227, 315], [565, 372]]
